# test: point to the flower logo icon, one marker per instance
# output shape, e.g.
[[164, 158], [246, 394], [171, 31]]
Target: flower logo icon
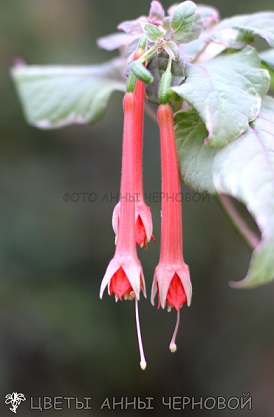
[[14, 400]]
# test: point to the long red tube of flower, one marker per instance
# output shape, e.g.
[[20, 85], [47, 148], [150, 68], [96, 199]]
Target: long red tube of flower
[[171, 278]]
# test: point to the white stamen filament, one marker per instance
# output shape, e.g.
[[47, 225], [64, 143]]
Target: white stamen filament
[[143, 363], [172, 345]]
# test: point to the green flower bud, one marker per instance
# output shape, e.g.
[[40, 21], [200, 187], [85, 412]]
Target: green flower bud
[[141, 72]]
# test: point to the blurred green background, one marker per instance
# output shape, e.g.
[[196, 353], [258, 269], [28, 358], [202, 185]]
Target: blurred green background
[[57, 337]]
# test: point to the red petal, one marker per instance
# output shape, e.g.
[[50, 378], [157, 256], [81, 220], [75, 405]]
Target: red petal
[[119, 284], [176, 295], [140, 233]]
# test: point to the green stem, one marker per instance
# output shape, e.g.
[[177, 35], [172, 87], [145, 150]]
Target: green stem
[[150, 53], [168, 68], [238, 222]]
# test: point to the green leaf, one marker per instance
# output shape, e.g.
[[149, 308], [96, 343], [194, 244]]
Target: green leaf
[[156, 13], [267, 58], [226, 91], [238, 31], [185, 23], [172, 50], [153, 32], [209, 15], [115, 41], [271, 74], [58, 96], [243, 169]]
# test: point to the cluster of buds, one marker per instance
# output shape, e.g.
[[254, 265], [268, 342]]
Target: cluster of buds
[[132, 222]]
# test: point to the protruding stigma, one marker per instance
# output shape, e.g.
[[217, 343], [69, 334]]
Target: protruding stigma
[[173, 346], [143, 363]]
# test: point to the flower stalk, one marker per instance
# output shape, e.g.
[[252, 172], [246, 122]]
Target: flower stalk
[[150, 53]]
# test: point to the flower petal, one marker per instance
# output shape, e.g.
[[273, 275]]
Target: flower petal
[[140, 232], [143, 222], [143, 211], [164, 274], [115, 217], [112, 268], [119, 284], [135, 276], [184, 276], [176, 295], [162, 278]]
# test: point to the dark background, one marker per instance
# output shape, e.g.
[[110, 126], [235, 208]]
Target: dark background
[[57, 337]]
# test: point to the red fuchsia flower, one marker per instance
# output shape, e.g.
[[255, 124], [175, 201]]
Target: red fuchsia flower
[[171, 278], [143, 220], [124, 275]]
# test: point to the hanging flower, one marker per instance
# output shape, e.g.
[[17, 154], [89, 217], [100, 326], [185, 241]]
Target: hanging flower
[[171, 278], [143, 220], [124, 275]]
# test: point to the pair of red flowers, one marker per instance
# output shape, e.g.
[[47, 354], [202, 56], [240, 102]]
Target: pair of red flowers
[[132, 221]]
